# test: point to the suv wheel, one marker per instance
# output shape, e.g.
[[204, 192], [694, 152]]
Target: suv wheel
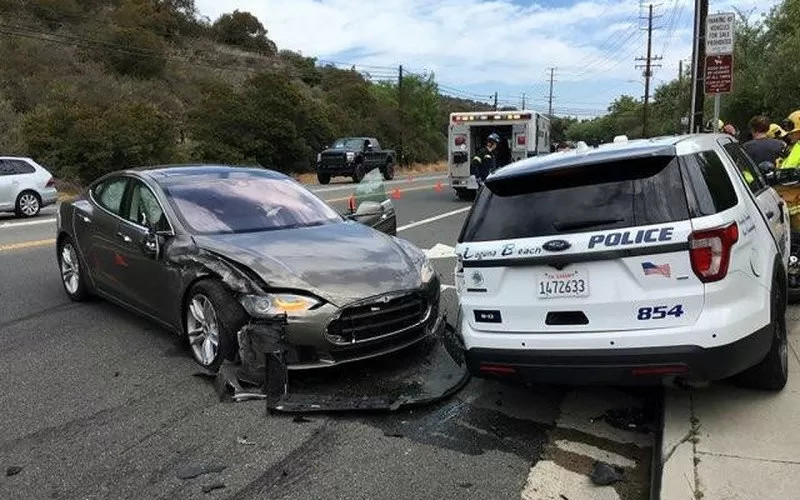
[[28, 204], [323, 178], [773, 371], [358, 173]]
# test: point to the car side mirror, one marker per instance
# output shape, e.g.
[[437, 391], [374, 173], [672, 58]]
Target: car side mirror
[[369, 209]]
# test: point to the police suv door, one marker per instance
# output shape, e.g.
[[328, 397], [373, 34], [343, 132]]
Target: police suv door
[[770, 204]]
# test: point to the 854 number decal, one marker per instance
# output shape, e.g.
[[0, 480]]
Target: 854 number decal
[[659, 312]]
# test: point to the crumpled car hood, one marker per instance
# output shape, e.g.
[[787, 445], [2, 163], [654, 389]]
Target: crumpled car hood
[[340, 263]]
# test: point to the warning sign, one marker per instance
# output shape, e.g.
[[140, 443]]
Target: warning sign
[[719, 33], [719, 74]]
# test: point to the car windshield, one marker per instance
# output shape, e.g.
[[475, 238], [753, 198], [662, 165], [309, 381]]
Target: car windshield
[[245, 201], [351, 144]]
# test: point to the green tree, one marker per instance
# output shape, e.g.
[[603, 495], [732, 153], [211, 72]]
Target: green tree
[[136, 52], [243, 29]]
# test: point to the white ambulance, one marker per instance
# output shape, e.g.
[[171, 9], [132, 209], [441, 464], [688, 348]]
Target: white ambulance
[[523, 134]]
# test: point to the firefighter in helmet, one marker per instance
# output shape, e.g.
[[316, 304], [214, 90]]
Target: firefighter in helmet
[[485, 160], [792, 128]]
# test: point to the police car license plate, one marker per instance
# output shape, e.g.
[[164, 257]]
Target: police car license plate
[[573, 283]]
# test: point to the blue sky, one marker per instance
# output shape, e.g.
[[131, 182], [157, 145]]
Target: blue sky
[[477, 47]]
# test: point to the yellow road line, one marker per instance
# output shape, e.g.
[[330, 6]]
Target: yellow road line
[[389, 192], [27, 244]]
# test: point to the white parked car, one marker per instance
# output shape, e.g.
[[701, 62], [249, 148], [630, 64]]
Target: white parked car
[[628, 263], [25, 186]]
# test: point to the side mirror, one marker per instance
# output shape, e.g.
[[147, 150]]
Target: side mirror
[[369, 209]]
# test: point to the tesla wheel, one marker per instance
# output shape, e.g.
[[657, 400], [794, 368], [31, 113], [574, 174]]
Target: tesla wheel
[[794, 269], [388, 170], [212, 320], [323, 178], [28, 204], [358, 173], [72, 273], [772, 372]]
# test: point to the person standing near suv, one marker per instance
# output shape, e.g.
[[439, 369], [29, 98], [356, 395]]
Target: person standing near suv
[[485, 160], [761, 148]]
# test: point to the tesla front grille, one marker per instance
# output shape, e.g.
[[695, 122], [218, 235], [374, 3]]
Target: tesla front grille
[[378, 318]]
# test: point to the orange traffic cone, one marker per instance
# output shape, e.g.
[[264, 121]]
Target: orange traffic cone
[[438, 188], [351, 203], [396, 194]]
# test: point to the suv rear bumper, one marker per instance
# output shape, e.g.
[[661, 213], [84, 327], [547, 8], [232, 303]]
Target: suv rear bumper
[[622, 366]]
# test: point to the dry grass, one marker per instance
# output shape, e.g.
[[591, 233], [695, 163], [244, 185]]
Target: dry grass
[[67, 191], [400, 172]]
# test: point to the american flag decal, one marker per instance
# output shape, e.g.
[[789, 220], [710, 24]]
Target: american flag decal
[[650, 269]]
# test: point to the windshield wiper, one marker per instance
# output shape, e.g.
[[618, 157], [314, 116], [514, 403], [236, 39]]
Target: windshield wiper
[[583, 224]]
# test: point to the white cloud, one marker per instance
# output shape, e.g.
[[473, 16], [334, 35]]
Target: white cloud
[[475, 43]]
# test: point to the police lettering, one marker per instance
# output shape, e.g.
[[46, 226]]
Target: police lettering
[[629, 237]]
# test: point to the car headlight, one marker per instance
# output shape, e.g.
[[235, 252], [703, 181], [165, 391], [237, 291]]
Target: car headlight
[[427, 272], [266, 306], [351, 156]]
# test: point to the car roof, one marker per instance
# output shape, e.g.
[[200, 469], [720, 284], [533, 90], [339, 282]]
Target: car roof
[[606, 153], [163, 173]]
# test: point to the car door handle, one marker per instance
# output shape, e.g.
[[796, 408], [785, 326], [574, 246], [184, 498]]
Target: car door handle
[[124, 237]]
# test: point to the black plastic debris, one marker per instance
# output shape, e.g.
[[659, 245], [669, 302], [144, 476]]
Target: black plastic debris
[[13, 470], [193, 471], [627, 419], [217, 485], [243, 441], [604, 474]]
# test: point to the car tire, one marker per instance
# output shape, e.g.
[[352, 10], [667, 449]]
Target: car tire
[[465, 194], [772, 372], [73, 272], [794, 269], [388, 170], [323, 178], [28, 204], [358, 173], [212, 316]]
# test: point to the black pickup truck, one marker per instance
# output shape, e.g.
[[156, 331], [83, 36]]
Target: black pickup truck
[[354, 157]]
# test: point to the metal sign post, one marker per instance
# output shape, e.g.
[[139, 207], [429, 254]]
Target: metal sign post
[[716, 112], [719, 59]]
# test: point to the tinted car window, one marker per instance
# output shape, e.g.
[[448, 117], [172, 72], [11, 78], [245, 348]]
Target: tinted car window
[[15, 167], [144, 208], [588, 198], [109, 194], [751, 174], [708, 186], [245, 201]]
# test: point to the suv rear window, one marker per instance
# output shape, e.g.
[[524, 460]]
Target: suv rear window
[[588, 198]]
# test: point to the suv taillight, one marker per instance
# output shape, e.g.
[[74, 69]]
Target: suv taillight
[[460, 139], [710, 251], [51, 183]]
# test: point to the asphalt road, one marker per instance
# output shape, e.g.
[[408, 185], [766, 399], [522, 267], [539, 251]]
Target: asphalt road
[[98, 403]]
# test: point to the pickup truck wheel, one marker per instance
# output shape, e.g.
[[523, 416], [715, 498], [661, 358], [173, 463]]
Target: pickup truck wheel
[[388, 170], [358, 173], [323, 178]]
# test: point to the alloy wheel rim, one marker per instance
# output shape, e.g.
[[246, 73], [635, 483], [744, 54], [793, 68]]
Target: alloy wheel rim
[[70, 270], [28, 204], [203, 329]]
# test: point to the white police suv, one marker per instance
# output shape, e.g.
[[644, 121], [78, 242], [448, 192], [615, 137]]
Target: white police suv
[[627, 263]]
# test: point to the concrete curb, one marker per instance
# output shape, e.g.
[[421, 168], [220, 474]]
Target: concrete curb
[[678, 471]]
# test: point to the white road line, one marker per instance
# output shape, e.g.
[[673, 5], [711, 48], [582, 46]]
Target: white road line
[[28, 223], [386, 183], [433, 219]]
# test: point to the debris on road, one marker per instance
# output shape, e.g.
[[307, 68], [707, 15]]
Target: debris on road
[[243, 440], [604, 474], [299, 419], [193, 471], [208, 488], [626, 419], [13, 470]]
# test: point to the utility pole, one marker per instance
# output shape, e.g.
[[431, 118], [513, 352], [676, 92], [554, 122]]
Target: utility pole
[[648, 68], [698, 65], [523, 101], [400, 109], [550, 97], [495, 101], [680, 95]]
